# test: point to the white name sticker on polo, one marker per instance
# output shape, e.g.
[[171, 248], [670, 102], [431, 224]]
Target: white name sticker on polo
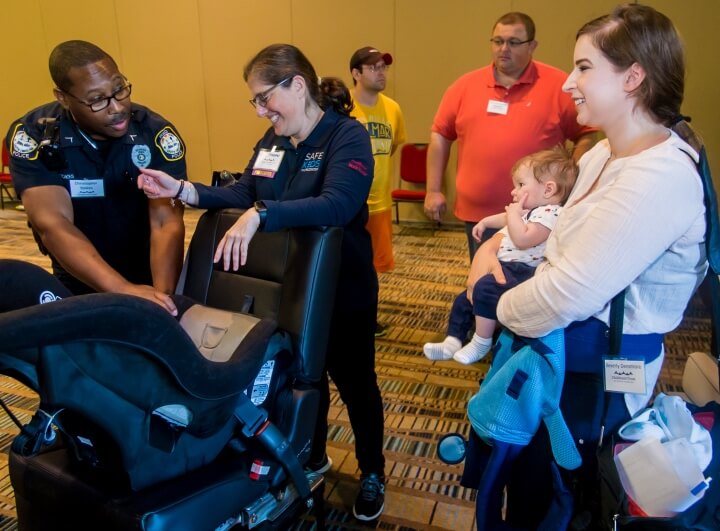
[[497, 107], [624, 375], [82, 188], [170, 145], [267, 163]]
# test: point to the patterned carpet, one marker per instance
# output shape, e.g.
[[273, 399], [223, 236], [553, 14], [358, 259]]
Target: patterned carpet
[[423, 400]]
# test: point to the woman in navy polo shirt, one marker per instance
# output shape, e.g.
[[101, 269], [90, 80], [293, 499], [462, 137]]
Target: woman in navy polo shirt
[[313, 166]]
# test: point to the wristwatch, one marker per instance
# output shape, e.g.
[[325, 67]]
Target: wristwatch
[[261, 209]]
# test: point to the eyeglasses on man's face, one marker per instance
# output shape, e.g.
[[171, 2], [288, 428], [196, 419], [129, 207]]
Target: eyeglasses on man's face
[[378, 68], [102, 102], [499, 42], [262, 99]]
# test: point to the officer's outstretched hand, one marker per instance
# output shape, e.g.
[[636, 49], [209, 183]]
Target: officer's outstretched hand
[[233, 248], [151, 294], [157, 184]]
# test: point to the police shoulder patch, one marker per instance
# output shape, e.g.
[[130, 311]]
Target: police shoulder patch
[[23, 146], [169, 143]]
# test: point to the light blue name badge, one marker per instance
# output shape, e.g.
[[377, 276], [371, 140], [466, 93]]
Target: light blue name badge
[[141, 156], [623, 375], [81, 188]]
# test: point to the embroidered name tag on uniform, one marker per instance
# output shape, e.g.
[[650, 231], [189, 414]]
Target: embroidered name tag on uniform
[[267, 163], [622, 375], [80, 188], [497, 107]]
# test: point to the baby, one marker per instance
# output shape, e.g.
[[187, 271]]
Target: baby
[[543, 181]]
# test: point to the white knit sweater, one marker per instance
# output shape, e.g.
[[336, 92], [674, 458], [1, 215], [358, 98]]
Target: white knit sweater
[[642, 227]]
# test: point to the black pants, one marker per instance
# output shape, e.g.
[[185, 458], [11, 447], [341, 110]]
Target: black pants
[[486, 294], [350, 363], [23, 284]]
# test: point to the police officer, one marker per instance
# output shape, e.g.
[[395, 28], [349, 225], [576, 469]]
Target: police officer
[[74, 163]]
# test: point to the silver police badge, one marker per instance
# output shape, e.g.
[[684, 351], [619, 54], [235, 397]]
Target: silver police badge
[[141, 156], [170, 144]]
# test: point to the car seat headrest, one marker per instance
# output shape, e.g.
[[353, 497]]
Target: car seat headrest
[[216, 333]]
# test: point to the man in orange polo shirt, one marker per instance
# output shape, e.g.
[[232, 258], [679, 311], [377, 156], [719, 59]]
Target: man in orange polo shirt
[[498, 114]]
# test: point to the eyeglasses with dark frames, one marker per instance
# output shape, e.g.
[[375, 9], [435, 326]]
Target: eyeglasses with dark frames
[[103, 102], [263, 98], [512, 43], [377, 68]]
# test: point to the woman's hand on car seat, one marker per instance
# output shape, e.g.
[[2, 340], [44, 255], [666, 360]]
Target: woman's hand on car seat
[[233, 248]]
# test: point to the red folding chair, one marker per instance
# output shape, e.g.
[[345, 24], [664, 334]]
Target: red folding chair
[[5, 180], [413, 158]]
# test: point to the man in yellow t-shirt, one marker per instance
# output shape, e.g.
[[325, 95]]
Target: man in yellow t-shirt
[[386, 126]]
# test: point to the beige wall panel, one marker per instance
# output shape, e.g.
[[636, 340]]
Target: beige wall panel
[[697, 21], [28, 32], [329, 36], [232, 32], [437, 42], [86, 20], [185, 59], [557, 22], [160, 50]]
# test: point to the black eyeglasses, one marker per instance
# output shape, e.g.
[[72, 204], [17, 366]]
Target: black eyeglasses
[[102, 102], [377, 68], [263, 98], [512, 43]]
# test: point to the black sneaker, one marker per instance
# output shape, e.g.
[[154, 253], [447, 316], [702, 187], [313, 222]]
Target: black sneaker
[[321, 467], [370, 501], [380, 330]]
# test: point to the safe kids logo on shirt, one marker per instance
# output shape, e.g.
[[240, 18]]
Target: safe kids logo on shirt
[[23, 146], [313, 161], [170, 145]]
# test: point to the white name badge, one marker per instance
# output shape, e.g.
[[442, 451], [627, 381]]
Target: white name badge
[[80, 188], [267, 163], [624, 375], [497, 107]]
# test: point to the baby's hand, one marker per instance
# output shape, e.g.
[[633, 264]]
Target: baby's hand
[[477, 231], [515, 210]]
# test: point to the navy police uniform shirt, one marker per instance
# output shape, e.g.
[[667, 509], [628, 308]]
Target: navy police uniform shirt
[[101, 179], [324, 181]]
